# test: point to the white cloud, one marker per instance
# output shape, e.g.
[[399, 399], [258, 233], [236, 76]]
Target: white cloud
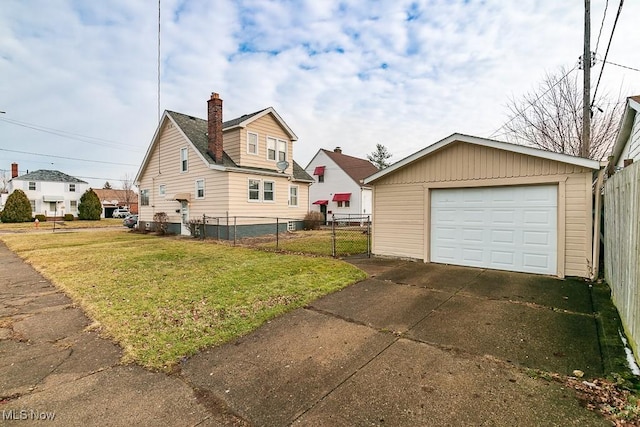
[[340, 73]]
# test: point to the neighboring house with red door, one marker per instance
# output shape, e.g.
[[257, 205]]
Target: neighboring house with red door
[[239, 173], [50, 192], [338, 188]]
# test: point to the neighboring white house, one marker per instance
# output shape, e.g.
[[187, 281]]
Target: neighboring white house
[[627, 146], [338, 188], [51, 193]]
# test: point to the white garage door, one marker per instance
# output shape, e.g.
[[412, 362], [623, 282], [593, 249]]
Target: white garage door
[[506, 228]]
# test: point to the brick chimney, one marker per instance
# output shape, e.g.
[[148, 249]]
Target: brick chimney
[[337, 150], [14, 170], [214, 127]]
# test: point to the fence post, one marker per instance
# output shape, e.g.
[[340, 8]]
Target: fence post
[[228, 233], [368, 236], [235, 229], [218, 227], [333, 235], [204, 226], [277, 232]]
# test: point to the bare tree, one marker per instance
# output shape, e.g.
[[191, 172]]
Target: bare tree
[[127, 185], [550, 118], [4, 182]]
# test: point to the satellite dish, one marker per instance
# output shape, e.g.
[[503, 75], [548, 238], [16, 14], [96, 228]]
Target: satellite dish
[[282, 165]]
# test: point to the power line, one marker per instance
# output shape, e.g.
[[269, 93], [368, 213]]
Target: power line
[[67, 158], [494, 133], [621, 66], [606, 6], [604, 61], [66, 134]]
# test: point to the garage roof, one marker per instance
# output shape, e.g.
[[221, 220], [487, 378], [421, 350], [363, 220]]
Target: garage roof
[[458, 137]]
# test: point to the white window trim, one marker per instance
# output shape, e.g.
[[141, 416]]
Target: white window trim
[[277, 142], [297, 196], [162, 189], [291, 226], [257, 153], [74, 188], [273, 190], [204, 193], [184, 150], [259, 199], [35, 185]]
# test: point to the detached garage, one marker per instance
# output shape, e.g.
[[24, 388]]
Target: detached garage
[[482, 203]]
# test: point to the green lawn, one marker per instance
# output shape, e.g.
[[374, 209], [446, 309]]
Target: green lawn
[[165, 298], [62, 225]]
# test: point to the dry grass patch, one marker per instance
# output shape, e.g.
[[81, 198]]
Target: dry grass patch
[[319, 242], [62, 225], [166, 298]]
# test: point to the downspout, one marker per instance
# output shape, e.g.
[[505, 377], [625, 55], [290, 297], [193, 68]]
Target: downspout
[[596, 226]]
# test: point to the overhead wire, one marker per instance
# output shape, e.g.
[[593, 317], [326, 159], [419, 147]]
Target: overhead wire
[[495, 132], [604, 16], [615, 23], [68, 158]]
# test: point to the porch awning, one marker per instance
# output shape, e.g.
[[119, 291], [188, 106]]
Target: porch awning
[[53, 198], [182, 197], [319, 170], [342, 197], [320, 202]]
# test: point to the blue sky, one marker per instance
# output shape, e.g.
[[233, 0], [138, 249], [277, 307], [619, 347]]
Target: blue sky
[[341, 73]]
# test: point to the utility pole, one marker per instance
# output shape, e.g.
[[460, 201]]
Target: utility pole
[[586, 94]]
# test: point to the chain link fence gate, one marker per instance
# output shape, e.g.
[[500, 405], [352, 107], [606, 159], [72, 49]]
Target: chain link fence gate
[[351, 235]]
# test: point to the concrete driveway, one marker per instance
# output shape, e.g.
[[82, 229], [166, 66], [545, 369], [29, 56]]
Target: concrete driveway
[[416, 344]]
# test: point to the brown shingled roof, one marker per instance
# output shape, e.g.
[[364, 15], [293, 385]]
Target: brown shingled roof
[[635, 98], [358, 169]]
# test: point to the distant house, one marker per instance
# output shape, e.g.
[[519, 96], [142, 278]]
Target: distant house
[[240, 172], [112, 199], [338, 187], [626, 149], [51, 193]]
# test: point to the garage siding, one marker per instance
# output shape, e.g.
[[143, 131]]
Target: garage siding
[[401, 213], [401, 195]]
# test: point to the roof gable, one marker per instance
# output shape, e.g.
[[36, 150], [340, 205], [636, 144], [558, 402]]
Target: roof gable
[[356, 168], [456, 137], [626, 126]]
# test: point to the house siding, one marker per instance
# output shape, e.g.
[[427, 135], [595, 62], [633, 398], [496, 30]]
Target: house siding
[[402, 209], [163, 167], [632, 148], [265, 126]]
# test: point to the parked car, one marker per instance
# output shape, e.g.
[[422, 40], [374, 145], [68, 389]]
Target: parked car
[[120, 213], [130, 221]]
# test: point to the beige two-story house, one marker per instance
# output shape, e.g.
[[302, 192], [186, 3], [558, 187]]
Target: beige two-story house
[[238, 175]]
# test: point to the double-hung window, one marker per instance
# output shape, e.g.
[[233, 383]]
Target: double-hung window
[[144, 197], [184, 160], [268, 191], [254, 190], [73, 205], [200, 189], [72, 188], [276, 149], [162, 189], [252, 143], [293, 195], [32, 185]]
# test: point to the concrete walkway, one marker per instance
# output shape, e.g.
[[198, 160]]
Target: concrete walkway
[[413, 345]]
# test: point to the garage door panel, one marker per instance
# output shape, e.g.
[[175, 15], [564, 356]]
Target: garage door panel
[[509, 228]]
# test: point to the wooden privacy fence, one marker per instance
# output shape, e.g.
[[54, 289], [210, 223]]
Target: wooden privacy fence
[[622, 247]]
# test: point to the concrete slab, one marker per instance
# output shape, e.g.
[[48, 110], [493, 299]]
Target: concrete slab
[[125, 395], [565, 294], [382, 304], [51, 325], [413, 384], [375, 266], [530, 336], [447, 278], [274, 374]]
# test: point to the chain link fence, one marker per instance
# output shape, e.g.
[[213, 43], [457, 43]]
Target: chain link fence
[[340, 236]]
